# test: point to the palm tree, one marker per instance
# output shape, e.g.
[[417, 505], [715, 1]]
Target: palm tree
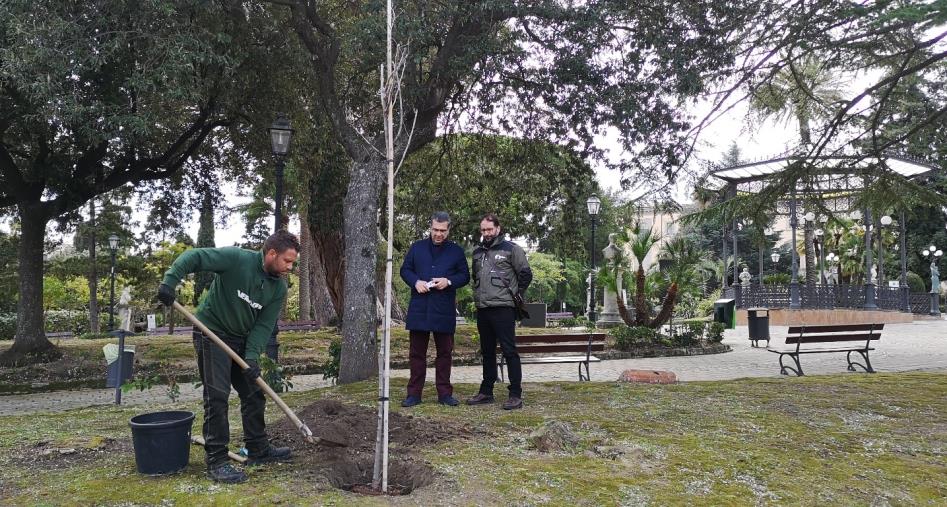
[[686, 269], [802, 92]]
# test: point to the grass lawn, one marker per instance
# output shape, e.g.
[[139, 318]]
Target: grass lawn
[[852, 439]]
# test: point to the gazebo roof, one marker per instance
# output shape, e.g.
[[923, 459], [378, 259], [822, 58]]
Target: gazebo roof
[[832, 167]]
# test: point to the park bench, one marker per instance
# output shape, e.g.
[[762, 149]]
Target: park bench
[[557, 316], [298, 325], [551, 349], [823, 339]]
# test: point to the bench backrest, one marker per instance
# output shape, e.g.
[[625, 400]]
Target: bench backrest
[[834, 333], [554, 343]]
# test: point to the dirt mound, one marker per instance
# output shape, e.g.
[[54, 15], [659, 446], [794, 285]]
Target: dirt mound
[[350, 467]]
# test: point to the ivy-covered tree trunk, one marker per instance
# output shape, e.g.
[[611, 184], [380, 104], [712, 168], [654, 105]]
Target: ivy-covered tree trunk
[[305, 265], [93, 274], [205, 239], [359, 318], [30, 344]]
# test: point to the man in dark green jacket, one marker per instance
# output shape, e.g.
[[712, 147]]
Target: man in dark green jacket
[[241, 308]]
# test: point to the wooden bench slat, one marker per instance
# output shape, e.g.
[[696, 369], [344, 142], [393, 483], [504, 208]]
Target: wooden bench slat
[[818, 351], [550, 349], [558, 359], [833, 328], [560, 338], [828, 338]]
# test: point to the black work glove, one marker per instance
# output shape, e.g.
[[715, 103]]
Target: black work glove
[[166, 295], [253, 370]]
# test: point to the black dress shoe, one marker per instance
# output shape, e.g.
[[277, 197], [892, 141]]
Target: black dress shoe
[[480, 399], [513, 403]]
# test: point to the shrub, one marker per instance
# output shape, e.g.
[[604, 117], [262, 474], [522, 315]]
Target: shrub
[[705, 306], [777, 279], [915, 282], [715, 332], [330, 369], [74, 321], [628, 338], [7, 326]]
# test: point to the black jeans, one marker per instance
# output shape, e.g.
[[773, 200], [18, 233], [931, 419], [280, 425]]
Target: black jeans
[[498, 325], [218, 373]]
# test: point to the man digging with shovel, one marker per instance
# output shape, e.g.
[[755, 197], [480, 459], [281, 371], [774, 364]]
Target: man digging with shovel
[[241, 308]]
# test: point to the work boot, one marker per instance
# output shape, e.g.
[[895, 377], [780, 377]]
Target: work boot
[[512, 403], [271, 455], [226, 474], [480, 399]]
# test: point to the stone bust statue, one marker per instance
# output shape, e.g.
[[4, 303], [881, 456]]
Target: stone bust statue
[[745, 276]]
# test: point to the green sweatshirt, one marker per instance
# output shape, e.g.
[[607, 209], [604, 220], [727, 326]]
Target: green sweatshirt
[[243, 301]]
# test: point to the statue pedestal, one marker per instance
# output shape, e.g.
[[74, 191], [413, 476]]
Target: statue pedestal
[[610, 317]]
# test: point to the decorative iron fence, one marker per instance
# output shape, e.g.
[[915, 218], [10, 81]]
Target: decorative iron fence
[[825, 297]]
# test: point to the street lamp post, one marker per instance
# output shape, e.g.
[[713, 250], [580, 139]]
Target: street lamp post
[[593, 204], [794, 281], [775, 258], [281, 133], [934, 254], [113, 246], [885, 221]]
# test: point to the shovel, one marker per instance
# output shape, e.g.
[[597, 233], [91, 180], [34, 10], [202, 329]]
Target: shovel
[[301, 426]]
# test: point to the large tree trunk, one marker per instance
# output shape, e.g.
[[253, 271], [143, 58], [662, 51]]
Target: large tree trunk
[[30, 344], [305, 265], [641, 308], [323, 309], [359, 318], [327, 192], [205, 239], [93, 274]]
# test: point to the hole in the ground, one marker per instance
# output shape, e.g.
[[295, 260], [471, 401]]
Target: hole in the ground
[[356, 475]]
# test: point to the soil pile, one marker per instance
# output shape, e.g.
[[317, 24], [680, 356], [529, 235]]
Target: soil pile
[[350, 467]]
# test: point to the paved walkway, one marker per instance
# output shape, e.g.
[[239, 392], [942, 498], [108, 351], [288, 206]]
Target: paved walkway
[[920, 345]]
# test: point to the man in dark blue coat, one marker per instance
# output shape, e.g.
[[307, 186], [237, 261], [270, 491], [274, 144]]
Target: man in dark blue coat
[[434, 268]]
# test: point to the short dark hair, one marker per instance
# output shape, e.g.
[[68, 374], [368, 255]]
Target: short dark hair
[[441, 216], [491, 217], [281, 241]]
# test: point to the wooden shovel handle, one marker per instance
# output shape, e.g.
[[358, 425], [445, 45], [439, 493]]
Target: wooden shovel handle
[[243, 366]]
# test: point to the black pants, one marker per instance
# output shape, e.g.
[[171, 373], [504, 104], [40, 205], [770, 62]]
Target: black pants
[[218, 373], [498, 325]]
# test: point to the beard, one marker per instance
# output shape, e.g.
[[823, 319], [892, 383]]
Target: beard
[[486, 240]]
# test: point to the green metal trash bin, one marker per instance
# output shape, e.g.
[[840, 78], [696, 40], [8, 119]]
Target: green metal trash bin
[[757, 320], [725, 311]]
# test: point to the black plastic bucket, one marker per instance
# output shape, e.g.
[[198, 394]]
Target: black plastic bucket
[[162, 441]]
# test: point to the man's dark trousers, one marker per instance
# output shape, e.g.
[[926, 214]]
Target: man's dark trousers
[[417, 360], [498, 325], [218, 373]]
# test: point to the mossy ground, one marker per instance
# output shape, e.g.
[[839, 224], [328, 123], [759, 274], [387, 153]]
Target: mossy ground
[[851, 439]]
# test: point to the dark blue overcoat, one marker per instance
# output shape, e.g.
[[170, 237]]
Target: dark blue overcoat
[[436, 310]]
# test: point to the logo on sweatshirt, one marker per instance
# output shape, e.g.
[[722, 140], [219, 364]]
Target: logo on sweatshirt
[[242, 295], [499, 257]]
